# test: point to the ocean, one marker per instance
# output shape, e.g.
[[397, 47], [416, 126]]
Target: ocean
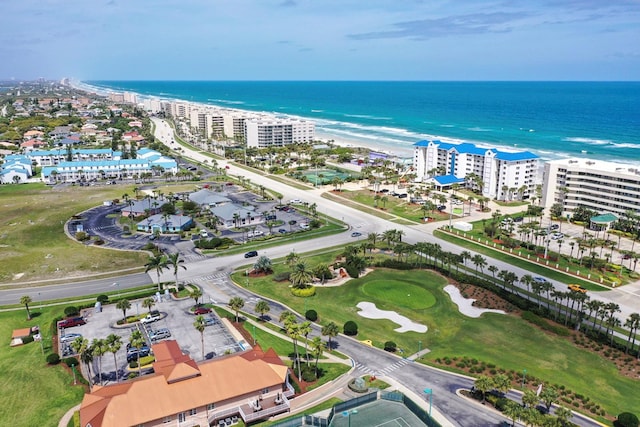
[[598, 120]]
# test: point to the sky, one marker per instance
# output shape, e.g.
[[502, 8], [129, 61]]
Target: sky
[[320, 39]]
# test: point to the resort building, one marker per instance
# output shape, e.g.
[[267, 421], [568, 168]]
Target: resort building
[[252, 386], [604, 187], [165, 224], [499, 174], [96, 164]]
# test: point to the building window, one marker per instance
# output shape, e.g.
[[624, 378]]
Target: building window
[[182, 417], [211, 406], [193, 411], [166, 420]]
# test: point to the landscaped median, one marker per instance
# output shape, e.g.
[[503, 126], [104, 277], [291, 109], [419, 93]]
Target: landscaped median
[[517, 258]]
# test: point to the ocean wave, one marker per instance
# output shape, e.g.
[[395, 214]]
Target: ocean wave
[[447, 126], [478, 129], [625, 145], [226, 101], [366, 116], [590, 141], [317, 111]]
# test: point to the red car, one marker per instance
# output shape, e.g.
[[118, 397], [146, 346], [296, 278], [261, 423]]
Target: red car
[[69, 323], [202, 310]]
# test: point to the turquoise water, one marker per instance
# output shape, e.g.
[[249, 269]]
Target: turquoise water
[[553, 119]]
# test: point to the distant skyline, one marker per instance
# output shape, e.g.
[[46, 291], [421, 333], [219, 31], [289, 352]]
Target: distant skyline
[[320, 39]]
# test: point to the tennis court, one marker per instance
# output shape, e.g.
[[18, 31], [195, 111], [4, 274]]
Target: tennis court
[[380, 413], [324, 176]]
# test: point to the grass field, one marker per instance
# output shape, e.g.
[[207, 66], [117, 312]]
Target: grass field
[[34, 245], [506, 341], [33, 393]]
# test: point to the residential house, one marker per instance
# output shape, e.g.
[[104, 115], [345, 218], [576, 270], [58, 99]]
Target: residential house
[[161, 223], [146, 206], [209, 198], [252, 385]]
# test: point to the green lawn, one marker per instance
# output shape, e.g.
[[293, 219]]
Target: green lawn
[[33, 393], [33, 240], [506, 341]]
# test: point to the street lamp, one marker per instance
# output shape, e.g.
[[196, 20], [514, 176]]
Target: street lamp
[[430, 393], [348, 415], [450, 211], [419, 347], [524, 375]]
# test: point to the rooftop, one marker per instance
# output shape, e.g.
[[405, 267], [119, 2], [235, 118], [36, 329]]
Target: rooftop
[[601, 165]]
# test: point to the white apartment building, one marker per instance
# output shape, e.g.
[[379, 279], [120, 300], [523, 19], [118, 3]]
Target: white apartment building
[[273, 132], [595, 184], [504, 174]]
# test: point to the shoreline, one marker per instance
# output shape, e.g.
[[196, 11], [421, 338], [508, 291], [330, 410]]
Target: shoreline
[[396, 148]]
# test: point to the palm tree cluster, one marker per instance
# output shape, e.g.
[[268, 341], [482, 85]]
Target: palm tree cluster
[[296, 332], [96, 349]]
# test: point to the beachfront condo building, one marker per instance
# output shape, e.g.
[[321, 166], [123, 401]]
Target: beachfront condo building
[[499, 174], [597, 185], [266, 132]]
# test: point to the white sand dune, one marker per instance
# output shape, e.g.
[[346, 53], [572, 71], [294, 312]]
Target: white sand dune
[[370, 311], [465, 305]]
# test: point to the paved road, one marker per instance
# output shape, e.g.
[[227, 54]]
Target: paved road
[[212, 274]]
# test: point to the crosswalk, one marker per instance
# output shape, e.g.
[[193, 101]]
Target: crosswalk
[[385, 371]]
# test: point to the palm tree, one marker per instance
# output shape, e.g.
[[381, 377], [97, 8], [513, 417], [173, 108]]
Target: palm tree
[[530, 399], [564, 415], [26, 300], [196, 294], [317, 348], [373, 238], [305, 330], [137, 341], [549, 395], [493, 269], [300, 277], [502, 383], [200, 326], [123, 305], [527, 279], [330, 330], [80, 346], [236, 304], [99, 348], [114, 342], [262, 307], [512, 410], [483, 384], [158, 263], [292, 258], [148, 303], [465, 255], [633, 323], [479, 261], [174, 261]]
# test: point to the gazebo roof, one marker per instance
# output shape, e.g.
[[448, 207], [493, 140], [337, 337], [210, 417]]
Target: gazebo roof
[[604, 218]]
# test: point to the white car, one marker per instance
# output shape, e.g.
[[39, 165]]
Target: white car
[[557, 236], [304, 226], [69, 337], [295, 201]]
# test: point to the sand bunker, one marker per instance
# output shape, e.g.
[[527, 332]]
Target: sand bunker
[[370, 311], [465, 305]]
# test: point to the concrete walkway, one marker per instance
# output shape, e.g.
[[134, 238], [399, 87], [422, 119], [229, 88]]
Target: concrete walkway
[[64, 421]]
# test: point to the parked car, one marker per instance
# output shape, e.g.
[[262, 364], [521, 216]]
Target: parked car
[[150, 318], [556, 236], [208, 321], [69, 337], [554, 227], [356, 234], [251, 254], [134, 353], [159, 334], [402, 196], [282, 231], [202, 310], [304, 226], [441, 208], [295, 201], [69, 323]]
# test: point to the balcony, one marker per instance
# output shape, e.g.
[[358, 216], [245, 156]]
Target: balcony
[[260, 408]]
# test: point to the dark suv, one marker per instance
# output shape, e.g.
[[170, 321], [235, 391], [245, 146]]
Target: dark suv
[[251, 254]]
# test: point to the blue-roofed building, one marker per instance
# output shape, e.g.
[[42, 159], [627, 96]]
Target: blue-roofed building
[[97, 163], [501, 174]]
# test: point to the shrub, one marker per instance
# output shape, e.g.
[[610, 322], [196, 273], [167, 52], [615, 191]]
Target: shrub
[[281, 277], [304, 292], [81, 236], [308, 374], [626, 419], [390, 346], [311, 315], [350, 328], [53, 359], [71, 311], [352, 271], [70, 361], [103, 299]]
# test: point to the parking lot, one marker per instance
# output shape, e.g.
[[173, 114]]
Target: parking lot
[[175, 317]]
